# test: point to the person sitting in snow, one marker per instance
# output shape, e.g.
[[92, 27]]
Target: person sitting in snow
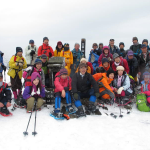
[[5, 97], [81, 88], [35, 91], [62, 89]]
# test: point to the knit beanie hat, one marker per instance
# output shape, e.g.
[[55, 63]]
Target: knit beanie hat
[[110, 71], [115, 55], [83, 59], [120, 68], [18, 49], [146, 73], [135, 38], [59, 43], [105, 60], [31, 42], [63, 71], [145, 40], [45, 38], [38, 61]]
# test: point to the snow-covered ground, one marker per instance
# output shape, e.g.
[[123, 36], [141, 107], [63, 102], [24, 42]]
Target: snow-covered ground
[[132, 132]]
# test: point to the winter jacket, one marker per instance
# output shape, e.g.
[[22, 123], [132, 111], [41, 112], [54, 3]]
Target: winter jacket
[[27, 75], [97, 51], [5, 91], [133, 66], [45, 68], [144, 89], [136, 49], [125, 83], [106, 69], [61, 83], [144, 64], [1, 62], [103, 56], [114, 50], [30, 59], [93, 58], [83, 84], [123, 63], [77, 55], [105, 81], [45, 49], [122, 53], [57, 51], [13, 69]]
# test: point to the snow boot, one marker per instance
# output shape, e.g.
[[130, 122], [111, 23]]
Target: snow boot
[[5, 112], [91, 108], [80, 112]]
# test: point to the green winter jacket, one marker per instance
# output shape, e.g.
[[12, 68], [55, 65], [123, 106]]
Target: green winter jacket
[[45, 68]]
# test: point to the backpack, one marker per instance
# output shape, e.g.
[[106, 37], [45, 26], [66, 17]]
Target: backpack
[[141, 102]]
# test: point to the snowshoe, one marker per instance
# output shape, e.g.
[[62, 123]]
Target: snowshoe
[[80, 112], [70, 110], [59, 116], [5, 112]]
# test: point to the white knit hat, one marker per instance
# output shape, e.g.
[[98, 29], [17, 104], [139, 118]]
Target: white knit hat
[[120, 68], [83, 59]]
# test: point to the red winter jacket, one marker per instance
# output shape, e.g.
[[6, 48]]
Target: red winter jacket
[[123, 63], [45, 49], [61, 83]]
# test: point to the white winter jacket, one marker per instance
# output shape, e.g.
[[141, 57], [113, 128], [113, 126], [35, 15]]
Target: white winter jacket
[[29, 59]]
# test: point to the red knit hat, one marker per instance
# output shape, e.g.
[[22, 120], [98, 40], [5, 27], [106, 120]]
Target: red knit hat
[[59, 43], [63, 71]]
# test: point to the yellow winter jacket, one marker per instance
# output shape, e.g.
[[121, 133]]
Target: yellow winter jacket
[[13, 69], [68, 56], [57, 54]]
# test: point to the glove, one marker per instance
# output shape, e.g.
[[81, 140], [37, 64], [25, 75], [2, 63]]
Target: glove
[[4, 67], [20, 64], [120, 90], [50, 54], [76, 96], [28, 69], [97, 95], [32, 52]]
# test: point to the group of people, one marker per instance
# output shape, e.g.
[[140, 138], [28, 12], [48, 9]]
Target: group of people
[[106, 76]]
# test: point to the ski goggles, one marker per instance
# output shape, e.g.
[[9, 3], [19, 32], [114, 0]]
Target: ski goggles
[[147, 76]]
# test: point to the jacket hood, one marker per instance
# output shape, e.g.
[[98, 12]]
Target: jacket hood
[[106, 47]]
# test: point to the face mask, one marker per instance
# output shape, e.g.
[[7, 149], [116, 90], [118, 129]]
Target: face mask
[[66, 48], [1, 84]]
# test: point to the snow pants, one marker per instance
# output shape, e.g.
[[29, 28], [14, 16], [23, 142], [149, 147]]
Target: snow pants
[[30, 103], [4, 100]]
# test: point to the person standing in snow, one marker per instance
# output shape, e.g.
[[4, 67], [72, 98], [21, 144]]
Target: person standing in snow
[[31, 53], [113, 48], [58, 49]]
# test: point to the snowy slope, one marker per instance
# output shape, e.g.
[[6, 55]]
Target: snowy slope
[[87, 133]]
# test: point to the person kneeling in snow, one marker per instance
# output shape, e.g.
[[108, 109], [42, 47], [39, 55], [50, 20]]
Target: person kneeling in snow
[[35, 91], [5, 97], [62, 89], [81, 88]]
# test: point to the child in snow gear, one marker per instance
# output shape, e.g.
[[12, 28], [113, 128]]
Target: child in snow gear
[[58, 49], [31, 53], [119, 61], [5, 97], [77, 56], [105, 54], [16, 64], [2, 66], [89, 66], [45, 48], [68, 57], [105, 64], [122, 51], [62, 89], [81, 88], [113, 48], [36, 90], [36, 68]]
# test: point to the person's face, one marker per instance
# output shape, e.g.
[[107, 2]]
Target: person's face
[[60, 46], [19, 54], [144, 49], [145, 43], [105, 64], [77, 47], [64, 76], [32, 44], [111, 75], [117, 60], [46, 42], [135, 41], [83, 61], [36, 81], [111, 43], [105, 51], [130, 56], [43, 60], [100, 46], [94, 46], [83, 70], [120, 72], [1, 79], [38, 66], [121, 46]]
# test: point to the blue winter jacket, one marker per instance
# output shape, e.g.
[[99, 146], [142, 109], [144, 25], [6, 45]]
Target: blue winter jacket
[[1, 61], [115, 50]]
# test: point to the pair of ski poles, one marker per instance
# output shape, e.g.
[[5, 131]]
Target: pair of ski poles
[[34, 108]]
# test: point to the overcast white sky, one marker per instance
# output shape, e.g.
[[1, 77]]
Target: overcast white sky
[[71, 20]]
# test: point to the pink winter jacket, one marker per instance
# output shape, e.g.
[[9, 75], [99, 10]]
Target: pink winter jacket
[[61, 83]]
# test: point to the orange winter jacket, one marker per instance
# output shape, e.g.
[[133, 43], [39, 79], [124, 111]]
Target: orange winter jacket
[[68, 56], [106, 81]]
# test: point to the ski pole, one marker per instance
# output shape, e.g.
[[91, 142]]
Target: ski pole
[[120, 107]]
